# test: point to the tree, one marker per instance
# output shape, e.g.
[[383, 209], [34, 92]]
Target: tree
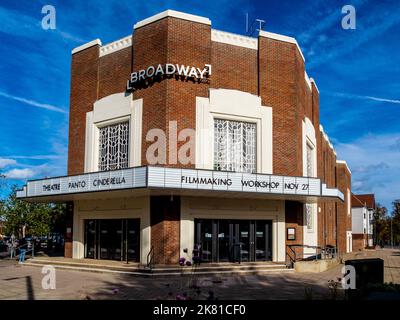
[[38, 219], [396, 221], [382, 225]]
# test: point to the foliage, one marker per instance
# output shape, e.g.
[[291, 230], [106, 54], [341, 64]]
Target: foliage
[[396, 221], [38, 219]]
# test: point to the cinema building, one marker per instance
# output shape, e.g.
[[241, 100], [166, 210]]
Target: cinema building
[[263, 176]]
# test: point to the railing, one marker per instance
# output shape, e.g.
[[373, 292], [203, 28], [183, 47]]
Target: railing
[[150, 258], [23, 250], [328, 252]]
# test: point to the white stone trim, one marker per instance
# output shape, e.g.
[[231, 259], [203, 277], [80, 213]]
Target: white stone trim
[[281, 37], [106, 111], [212, 208], [86, 45], [234, 39], [174, 14], [124, 208], [345, 163], [232, 105], [315, 84], [116, 45], [308, 81], [309, 138], [327, 139]]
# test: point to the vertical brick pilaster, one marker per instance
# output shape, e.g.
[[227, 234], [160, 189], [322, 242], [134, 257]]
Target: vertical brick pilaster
[[165, 228]]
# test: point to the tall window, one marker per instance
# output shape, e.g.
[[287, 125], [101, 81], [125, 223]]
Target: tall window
[[113, 146], [234, 146], [310, 162]]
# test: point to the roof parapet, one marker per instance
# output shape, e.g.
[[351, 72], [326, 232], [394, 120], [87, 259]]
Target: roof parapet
[[283, 38], [174, 14], [345, 163], [86, 45]]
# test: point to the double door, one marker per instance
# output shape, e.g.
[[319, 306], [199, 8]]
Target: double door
[[234, 240], [112, 239]]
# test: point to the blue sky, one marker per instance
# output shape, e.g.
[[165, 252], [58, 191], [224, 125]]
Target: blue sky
[[357, 73]]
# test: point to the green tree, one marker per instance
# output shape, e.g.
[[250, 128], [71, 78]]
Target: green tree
[[382, 225], [38, 219], [396, 221]]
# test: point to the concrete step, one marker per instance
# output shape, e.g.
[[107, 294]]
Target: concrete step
[[165, 271]]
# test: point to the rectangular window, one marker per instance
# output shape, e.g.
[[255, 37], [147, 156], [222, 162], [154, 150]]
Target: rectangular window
[[310, 164], [234, 146], [113, 146]]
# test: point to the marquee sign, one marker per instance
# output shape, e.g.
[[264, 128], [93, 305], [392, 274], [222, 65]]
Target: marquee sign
[[174, 178], [167, 69]]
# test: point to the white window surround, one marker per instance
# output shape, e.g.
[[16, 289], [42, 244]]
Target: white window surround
[[109, 110], [309, 139], [232, 105]]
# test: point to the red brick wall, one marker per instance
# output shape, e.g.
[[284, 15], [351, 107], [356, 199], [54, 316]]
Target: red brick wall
[[281, 88], [344, 219], [69, 225], [358, 242], [294, 219], [165, 228], [114, 71], [231, 64], [84, 89]]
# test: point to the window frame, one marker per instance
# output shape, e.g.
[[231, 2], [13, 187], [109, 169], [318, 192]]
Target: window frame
[[251, 121]]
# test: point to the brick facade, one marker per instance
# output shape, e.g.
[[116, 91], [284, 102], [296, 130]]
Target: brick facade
[[275, 72]]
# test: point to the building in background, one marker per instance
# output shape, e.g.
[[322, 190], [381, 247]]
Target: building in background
[[363, 209], [264, 174]]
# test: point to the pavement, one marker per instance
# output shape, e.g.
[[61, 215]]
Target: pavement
[[25, 282]]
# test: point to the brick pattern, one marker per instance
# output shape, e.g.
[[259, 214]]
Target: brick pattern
[[275, 73], [294, 219], [84, 88], [231, 65], [69, 225], [344, 218], [114, 71], [165, 228]]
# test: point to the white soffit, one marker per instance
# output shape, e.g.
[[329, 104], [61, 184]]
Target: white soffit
[[174, 14], [116, 45], [234, 39], [87, 45], [281, 37]]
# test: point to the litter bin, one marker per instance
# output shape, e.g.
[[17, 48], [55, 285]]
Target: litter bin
[[368, 272]]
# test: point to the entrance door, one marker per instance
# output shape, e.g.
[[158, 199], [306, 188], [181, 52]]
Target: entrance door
[[112, 239], [234, 240]]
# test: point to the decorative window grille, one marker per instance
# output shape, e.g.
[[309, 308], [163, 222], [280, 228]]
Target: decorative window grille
[[234, 146], [113, 146], [309, 217], [310, 164]]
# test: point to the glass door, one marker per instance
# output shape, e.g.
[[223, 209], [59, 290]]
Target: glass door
[[132, 239], [110, 242], [224, 240], [90, 239], [263, 240], [204, 238]]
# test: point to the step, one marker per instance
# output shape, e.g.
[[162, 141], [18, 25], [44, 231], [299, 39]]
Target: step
[[144, 273], [163, 271]]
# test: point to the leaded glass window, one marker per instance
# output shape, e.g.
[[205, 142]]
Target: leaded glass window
[[234, 146], [113, 146], [310, 164]]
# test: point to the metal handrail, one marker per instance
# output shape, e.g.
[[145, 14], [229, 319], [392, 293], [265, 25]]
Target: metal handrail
[[150, 257], [329, 252]]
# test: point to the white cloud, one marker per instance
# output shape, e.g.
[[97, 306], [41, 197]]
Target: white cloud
[[355, 96], [33, 103], [374, 160], [19, 174], [4, 162]]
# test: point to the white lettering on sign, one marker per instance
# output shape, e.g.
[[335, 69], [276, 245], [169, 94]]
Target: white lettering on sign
[[161, 177], [168, 69]]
